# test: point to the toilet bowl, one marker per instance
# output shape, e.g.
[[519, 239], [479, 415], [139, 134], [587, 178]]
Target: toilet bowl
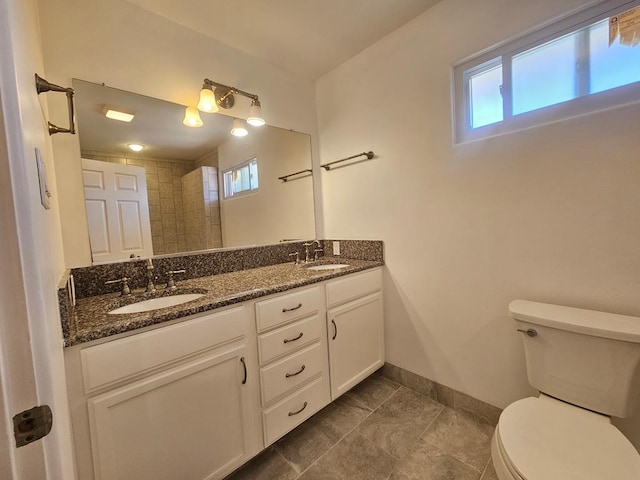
[[586, 366], [545, 439]]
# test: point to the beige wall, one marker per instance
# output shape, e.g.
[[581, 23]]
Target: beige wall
[[547, 214], [152, 56]]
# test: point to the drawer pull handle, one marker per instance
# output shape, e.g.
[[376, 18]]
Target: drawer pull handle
[[285, 310], [335, 329], [289, 340], [296, 373], [244, 366], [291, 414]]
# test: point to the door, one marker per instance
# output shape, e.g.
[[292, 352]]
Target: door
[[117, 210], [356, 342], [17, 376], [191, 422]]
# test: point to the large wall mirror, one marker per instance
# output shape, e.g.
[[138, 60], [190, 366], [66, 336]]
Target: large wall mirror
[[188, 189]]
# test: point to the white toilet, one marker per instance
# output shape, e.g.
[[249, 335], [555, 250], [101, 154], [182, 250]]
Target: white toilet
[[586, 366]]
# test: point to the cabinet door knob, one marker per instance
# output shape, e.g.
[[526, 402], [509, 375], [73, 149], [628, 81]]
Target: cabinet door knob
[[291, 414], [296, 373], [285, 310], [289, 340], [335, 329]]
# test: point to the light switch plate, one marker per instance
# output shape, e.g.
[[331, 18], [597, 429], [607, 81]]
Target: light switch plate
[[336, 248], [42, 180]]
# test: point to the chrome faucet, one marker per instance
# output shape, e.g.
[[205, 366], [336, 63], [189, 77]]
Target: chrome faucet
[[307, 251], [150, 285]]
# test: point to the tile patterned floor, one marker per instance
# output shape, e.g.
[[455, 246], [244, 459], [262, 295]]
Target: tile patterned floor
[[379, 431]]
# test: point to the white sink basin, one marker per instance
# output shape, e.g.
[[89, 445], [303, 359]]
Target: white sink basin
[[157, 303], [329, 266]]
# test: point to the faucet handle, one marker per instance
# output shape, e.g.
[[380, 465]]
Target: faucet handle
[[171, 283], [297, 255], [125, 285]]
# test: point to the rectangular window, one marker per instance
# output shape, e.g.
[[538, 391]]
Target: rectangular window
[[582, 63], [241, 179]]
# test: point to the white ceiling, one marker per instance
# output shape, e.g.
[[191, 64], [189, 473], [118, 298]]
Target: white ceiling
[[305, 37]]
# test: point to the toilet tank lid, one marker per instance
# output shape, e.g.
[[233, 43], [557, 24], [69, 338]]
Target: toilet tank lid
[[588, 322]]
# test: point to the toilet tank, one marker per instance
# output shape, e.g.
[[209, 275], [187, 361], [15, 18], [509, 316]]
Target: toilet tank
[[583, 357]]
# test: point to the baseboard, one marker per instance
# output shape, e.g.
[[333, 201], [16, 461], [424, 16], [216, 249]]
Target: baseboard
[[483, 411]]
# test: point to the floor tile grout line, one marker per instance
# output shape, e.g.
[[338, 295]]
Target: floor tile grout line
[[486, 467], [372, 411], [291, 464], [419, 436]]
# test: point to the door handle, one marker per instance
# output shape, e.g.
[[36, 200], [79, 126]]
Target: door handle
[[335, 329], [244, 367]]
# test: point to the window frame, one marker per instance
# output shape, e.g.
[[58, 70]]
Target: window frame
[[504, 52], [237, 167]]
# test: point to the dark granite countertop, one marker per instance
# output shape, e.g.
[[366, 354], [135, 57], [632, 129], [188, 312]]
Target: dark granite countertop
[[89, 319]]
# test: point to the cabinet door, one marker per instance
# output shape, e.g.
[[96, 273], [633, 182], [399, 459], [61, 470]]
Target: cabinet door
[[191, 422], [356, 342]]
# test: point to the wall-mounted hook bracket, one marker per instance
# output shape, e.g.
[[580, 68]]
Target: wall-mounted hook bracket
[[42, 86]]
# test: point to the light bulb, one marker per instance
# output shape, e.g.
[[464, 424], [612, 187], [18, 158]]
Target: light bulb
[[136, 147], [238, 129], [192, 117]]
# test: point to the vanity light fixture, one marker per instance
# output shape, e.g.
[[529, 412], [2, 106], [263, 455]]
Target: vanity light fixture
[[239, 129], [136, 147], [216, 95], [118, 113], [192, 117]]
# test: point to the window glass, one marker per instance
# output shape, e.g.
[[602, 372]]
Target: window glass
[[611, 66], [241, 179], [485, 98], [544, 75]]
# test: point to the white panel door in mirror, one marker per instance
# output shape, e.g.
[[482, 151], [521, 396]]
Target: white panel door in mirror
[[117, 210]]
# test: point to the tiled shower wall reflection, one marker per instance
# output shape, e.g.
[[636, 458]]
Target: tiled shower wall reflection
[[202, 209], [165, 194]]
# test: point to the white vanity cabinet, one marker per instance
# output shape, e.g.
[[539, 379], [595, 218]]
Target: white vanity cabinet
[[195, 398], [292, 347], [180, 401], [355, 323]]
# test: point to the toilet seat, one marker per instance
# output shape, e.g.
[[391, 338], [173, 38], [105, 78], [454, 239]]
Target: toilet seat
[[545, 439]]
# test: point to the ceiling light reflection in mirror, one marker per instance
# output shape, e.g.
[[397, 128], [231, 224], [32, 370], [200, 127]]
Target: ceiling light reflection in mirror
[[183, 167]]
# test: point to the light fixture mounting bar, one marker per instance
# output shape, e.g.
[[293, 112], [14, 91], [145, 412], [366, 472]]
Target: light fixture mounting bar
[[234, 90]]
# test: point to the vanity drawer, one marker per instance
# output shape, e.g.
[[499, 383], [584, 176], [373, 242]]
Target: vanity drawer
[[353, 286], [288, 307], [290, 372], [293, 410], [127, 357], [286, 339]]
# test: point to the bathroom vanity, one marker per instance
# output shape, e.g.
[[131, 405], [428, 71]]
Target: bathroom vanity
[[195, 390]]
